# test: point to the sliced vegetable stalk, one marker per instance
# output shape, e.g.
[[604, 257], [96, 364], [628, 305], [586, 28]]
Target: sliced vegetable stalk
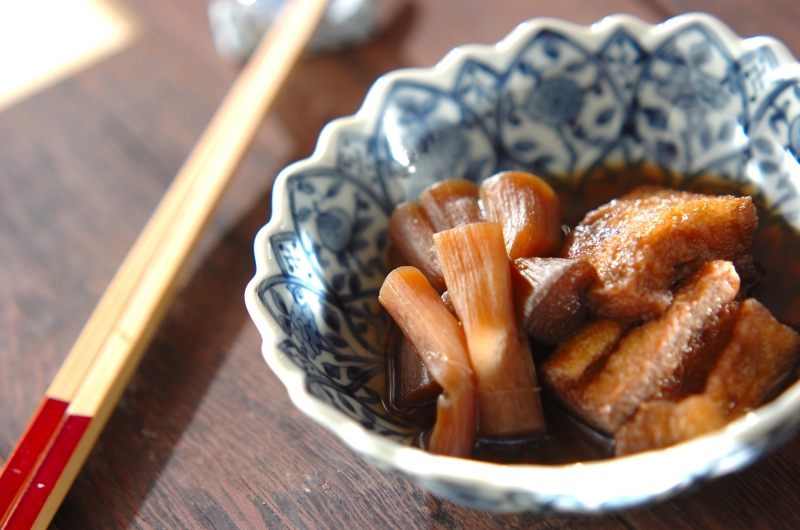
[[451, 203], [529, 210], [411, 234], [476, 270], [422, 316], [449, 304]]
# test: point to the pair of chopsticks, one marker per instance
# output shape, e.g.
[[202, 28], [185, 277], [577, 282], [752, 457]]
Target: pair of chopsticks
[[58, 439]]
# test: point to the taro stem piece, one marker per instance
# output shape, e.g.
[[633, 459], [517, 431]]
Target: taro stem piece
[[476, 270], [529, 210], [411, 234], [436, 334], [451, 203]]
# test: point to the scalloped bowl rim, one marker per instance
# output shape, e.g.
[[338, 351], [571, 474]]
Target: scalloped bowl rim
[[700, 457]]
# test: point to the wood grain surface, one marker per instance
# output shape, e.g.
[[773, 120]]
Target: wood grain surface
[[205, 435]]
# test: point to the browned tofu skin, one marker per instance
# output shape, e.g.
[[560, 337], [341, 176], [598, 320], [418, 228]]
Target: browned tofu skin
[[644, 243], [411, 234], [550, 296], [703, 351], [661, 423], [652, 352], [570, 367], [755, 361], [451, 203]]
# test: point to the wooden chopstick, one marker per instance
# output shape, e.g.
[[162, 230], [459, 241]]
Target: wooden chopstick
[[46, 419], [85, 391]]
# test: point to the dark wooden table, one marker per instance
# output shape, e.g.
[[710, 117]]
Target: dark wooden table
[[205, 435]]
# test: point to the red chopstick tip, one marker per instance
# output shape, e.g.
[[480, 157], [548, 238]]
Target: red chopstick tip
[[33, 497], [31, 445]]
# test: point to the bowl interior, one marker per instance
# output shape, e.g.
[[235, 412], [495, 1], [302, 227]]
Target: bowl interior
[[686, 103]]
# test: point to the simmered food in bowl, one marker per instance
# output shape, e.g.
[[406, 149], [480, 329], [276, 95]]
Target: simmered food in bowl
[[674, 346], [592, 110]]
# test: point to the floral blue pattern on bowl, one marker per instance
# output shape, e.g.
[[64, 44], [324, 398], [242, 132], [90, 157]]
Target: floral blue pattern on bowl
[[686, 98]]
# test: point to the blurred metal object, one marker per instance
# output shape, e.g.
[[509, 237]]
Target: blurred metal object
[[237, 25]]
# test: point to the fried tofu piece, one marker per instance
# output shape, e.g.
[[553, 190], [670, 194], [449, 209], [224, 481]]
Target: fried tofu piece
[[691, 374], [660, 423], [550, 296], [570, 366], [755, 361], [652, 352], [644, 243], [758, 355]]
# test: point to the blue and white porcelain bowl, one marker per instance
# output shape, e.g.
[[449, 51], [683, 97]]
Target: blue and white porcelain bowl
[[687, 97]]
